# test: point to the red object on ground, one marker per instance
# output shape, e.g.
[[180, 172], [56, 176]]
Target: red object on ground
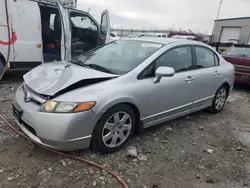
[[124, 185]]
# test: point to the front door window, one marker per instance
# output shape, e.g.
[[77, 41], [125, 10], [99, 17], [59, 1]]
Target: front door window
[[180, 59]]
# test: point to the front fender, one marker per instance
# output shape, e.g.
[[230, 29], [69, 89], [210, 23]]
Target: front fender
[[115, 101]]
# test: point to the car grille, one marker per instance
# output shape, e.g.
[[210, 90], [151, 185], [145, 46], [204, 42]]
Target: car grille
[[34, 97], [29, 128]]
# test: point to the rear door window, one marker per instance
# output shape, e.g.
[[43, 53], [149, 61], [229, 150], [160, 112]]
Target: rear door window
[[205, 58]]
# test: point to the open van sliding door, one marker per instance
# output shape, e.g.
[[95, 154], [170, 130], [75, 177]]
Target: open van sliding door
[[66, 33]]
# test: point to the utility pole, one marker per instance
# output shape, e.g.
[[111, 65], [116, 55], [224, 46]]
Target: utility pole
[[221, 1], [217, 16]]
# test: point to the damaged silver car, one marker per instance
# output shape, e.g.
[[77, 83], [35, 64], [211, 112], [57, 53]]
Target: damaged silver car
[[104, 96]]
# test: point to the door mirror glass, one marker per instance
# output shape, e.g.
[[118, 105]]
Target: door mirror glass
[[163, 72]]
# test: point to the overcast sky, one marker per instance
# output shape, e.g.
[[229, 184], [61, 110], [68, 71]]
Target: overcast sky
[[197, 15]]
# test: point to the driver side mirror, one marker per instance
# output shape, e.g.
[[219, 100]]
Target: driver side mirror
[[163, 72]]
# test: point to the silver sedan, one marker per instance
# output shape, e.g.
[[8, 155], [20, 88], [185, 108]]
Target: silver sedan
[[104, 96]]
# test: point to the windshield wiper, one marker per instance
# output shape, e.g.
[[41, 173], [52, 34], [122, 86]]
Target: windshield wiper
[[92, 66], [100, 68], [78, 62]]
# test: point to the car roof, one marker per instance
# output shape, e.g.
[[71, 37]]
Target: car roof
[[166, 41], [155, 40]]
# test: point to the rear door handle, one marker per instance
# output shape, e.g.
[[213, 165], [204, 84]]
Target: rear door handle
[[190, 79], [216, 73]]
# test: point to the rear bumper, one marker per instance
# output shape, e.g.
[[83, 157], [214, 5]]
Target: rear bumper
[[242, 77]]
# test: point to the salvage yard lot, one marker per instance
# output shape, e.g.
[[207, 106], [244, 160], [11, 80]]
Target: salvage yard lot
[[199, 150]]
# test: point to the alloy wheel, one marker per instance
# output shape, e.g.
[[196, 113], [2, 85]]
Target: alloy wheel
[[117, 129], [220, 99]]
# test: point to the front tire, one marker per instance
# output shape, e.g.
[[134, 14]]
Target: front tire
[[219, 100], [114, 129]]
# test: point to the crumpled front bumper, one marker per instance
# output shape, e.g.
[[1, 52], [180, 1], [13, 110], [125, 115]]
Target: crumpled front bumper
[[64, 132]]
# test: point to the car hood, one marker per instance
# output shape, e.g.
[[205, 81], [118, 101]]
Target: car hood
[[53, 78]]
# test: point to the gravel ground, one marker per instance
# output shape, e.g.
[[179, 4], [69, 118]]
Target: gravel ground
[[199, 150]]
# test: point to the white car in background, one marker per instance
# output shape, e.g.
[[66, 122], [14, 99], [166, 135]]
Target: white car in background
[[159, 35], [187, 37], [135, 35]]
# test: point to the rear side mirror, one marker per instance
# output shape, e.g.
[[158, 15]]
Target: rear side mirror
[[163, 72]]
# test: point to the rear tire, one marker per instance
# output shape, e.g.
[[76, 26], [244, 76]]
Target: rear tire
[[114, 129], [219, 100]]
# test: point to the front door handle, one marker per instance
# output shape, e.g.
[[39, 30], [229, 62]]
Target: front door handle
[[216, 73], [190, 79]]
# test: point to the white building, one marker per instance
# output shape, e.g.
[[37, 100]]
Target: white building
[[235, 30]]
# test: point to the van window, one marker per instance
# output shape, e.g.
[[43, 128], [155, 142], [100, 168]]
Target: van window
[[104, 25], [52, 22], [84, 33], [84, 22]]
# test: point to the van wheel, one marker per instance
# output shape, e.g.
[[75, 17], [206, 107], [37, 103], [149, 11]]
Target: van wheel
[[114, 129], [219, 100], [1, 69]]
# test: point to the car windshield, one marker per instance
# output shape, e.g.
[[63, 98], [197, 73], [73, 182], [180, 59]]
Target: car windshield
[[118, 57], [238, 51]]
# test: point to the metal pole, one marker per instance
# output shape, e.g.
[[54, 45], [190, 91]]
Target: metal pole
[[221, 1], [217, 16]]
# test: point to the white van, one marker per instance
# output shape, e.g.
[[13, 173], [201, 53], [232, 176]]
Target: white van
[[39, 31]]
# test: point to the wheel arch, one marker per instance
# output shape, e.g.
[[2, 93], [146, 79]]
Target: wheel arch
[[227, 86], [3, 60], [125, 101]]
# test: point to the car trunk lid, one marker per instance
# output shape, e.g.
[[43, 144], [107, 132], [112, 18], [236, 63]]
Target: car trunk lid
[[241, 64]]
